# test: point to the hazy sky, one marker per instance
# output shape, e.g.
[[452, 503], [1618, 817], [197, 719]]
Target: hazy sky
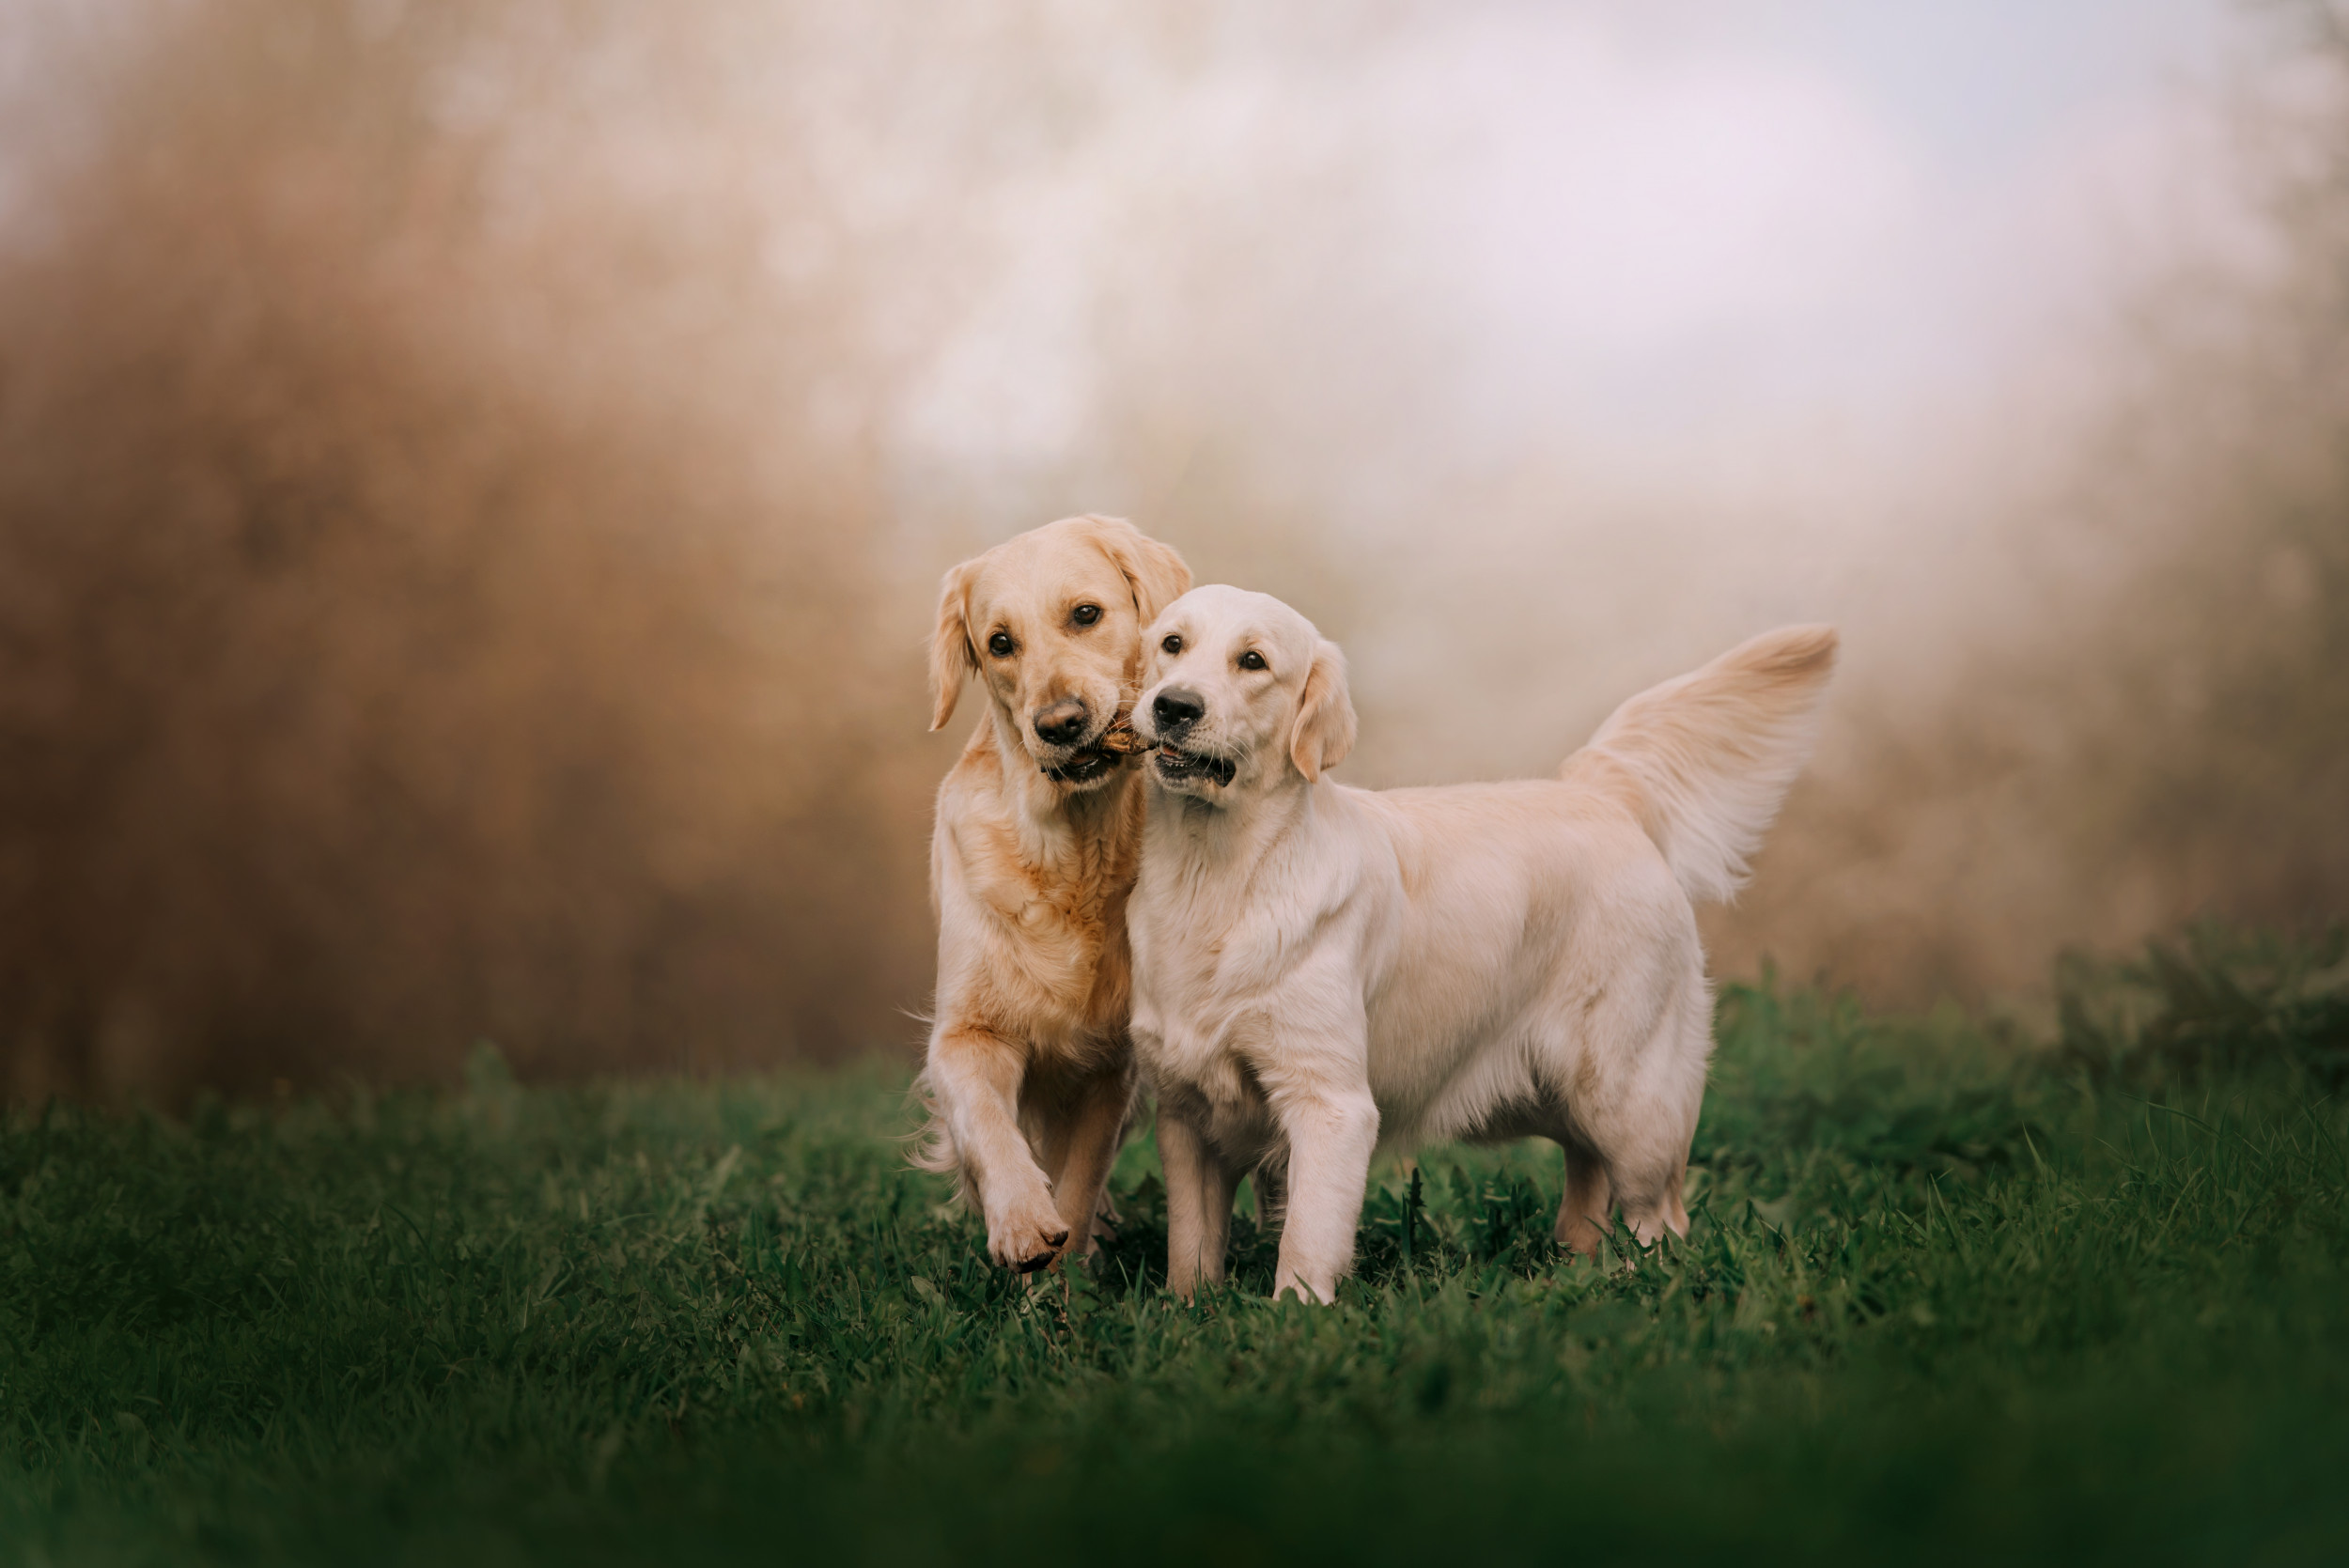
[[1660, 234], [1686, 219], [1537, 351], [1982, 86]]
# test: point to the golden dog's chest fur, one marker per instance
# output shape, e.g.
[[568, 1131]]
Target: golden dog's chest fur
[[1052, 966]]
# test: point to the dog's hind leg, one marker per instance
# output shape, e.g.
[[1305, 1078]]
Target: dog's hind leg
[[1646, 1186], [1587, 1212], [1628, 1115], [1651, 1200]]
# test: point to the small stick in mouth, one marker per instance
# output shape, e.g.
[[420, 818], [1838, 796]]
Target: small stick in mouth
[[1117, 742], [1120, 740]]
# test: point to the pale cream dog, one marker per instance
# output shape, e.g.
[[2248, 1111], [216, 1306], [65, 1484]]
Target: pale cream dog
[[1030, 1077], [1322, 973]]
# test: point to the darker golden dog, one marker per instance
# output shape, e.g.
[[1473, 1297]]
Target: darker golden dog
[[1030, 1077]]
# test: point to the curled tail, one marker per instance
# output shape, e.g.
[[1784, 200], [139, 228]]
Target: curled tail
[[1705, 760]]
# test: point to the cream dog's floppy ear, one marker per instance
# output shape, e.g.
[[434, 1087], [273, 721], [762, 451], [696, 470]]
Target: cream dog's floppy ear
[[1154, 572], [952, 660], [1324, 715]]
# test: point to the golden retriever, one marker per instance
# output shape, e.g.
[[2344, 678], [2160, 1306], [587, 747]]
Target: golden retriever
[[1321, 971], [1030, 1075]]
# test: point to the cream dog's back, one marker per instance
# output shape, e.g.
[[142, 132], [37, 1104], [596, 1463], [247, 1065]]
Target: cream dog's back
[[1513, 904], [1321, 971]]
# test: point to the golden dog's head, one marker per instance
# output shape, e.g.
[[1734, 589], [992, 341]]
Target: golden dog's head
[[1050, 622], [1240, 692]]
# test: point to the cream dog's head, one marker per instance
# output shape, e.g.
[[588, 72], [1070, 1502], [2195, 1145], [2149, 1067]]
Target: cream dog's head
[[1050, 622], [1241, 694]]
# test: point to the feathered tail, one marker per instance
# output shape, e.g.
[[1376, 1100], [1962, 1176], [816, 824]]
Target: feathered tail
[[1705, 760]]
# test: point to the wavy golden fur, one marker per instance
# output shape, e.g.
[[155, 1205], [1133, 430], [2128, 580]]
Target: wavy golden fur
[[1030, 1075]]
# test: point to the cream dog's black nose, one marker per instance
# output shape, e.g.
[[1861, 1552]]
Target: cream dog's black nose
[[1176, 708], [1062, 723]]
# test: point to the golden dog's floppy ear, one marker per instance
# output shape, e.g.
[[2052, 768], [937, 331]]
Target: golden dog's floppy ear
[[1324, 715], [1154, 572], [952, 660]]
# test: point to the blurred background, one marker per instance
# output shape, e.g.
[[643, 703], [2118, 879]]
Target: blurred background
[[474, 476]]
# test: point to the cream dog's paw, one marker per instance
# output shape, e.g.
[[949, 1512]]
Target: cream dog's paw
[[1026, 1236]]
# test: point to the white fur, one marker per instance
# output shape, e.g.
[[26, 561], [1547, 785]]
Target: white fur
[[1707, 757], [1321, 972]]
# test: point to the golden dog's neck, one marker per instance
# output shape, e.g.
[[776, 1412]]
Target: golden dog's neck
[[1078, 834]]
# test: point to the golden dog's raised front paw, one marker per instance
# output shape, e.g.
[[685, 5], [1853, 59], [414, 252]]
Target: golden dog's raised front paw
[[1026, 1238]]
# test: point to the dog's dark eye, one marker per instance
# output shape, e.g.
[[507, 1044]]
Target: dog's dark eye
[[1172, 644], [999, 645], [1252, 660], [1085, 615]]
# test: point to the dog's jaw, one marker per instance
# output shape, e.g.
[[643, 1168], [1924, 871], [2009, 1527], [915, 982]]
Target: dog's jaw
[[1199, 772], [1203, 775], [1092, 761], [1085, 768]]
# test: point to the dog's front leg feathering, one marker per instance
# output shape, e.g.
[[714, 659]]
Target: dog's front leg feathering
[[974, 1078]]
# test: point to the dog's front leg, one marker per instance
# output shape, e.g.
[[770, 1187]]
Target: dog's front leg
[[1199, 1188], [1095, 1123], [975, 1074], [1331, 1139]]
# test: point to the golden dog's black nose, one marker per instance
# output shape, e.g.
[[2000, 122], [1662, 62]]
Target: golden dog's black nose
[[1176, 708], [1062, 723]]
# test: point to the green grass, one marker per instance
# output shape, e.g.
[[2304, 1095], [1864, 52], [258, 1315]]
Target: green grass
[[1948, 1296]]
